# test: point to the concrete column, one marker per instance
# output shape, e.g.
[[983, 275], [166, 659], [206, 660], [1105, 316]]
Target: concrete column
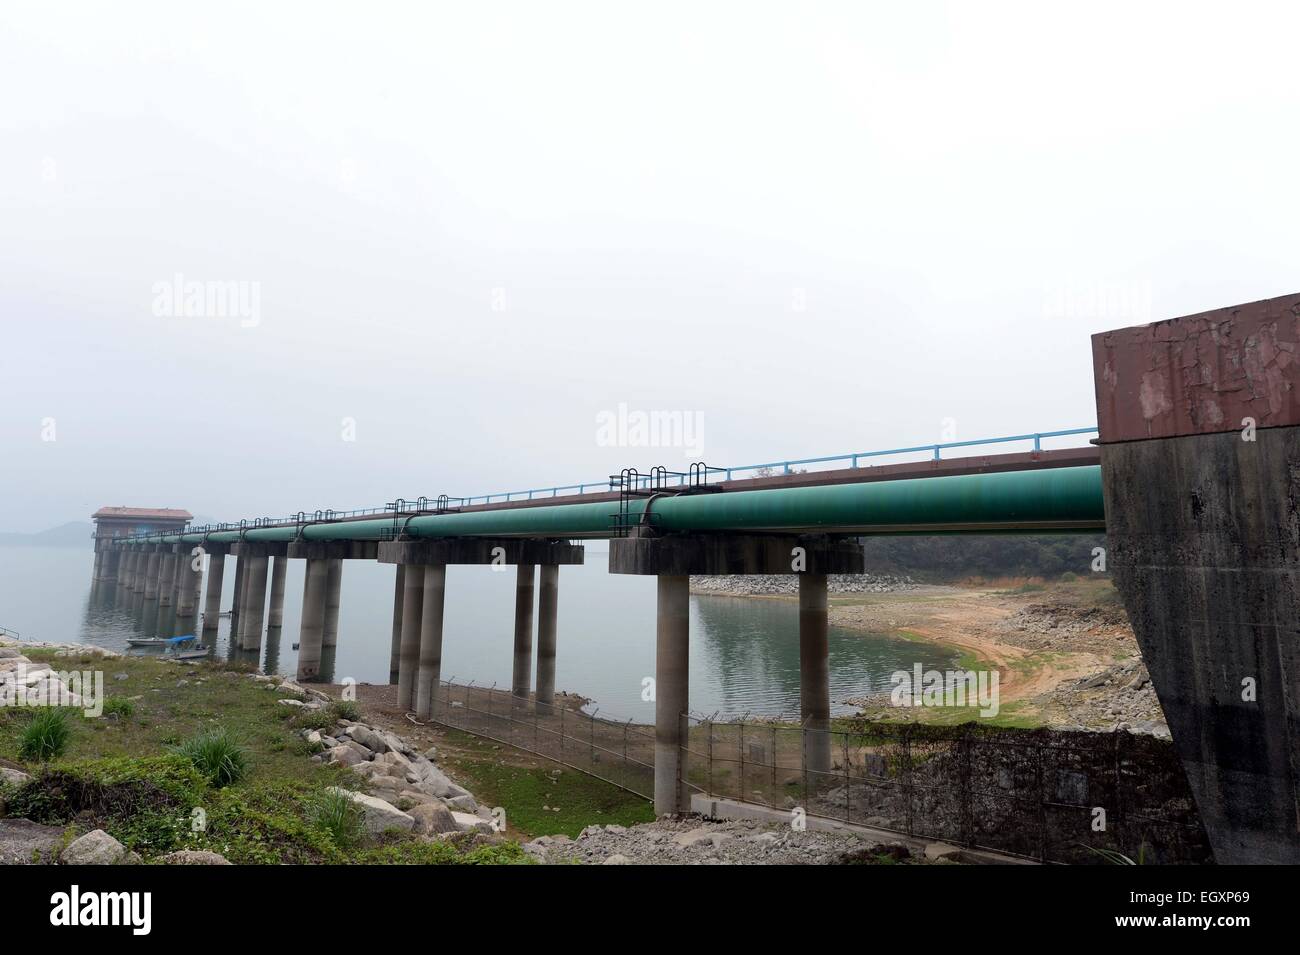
[[185, 603], [242, 602], [152, 570], [275, 616], [97, 574], [395, 657], [312, 629], [166, 578], [256, 609], [547, 617], [428, 682], [523, 671], [333, 589], [412, 614], [814, 673], [672, 670], [212, 604], [237, 598]]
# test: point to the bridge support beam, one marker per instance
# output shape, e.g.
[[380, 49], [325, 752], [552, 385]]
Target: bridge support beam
[[185, 603], [523, 667], [1200, 456], [311, 631], [237, 598], [275, 615], [547, 619], [333, 593], [395, 656], [250, 631], [167, 576], [672, 692], [428, 683], [814, 674], [152, 571], [412, 622], [212, 601]]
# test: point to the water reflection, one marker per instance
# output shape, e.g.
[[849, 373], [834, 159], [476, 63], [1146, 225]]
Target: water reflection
[[751, 653]]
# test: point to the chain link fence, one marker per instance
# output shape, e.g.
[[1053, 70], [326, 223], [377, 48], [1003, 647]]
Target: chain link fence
[[1042, 794]]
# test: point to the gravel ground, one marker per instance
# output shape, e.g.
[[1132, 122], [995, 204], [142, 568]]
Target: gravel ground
[[696, 841]]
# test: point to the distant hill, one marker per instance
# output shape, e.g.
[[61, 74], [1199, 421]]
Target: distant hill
[[74, 533]]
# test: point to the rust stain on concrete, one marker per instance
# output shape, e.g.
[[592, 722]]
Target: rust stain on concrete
[[1200, 374]]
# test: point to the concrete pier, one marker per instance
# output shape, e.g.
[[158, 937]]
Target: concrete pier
[[672, 686], [251, 628], [311, 631], [167, 577], [412, 621], [394, 659], [275, 614], [1200, 458], [548, 596], [428, 680], [521, 682], [151, 572], [212, 600], [814, 673], [333, 594], [187, 573], [237, 598]]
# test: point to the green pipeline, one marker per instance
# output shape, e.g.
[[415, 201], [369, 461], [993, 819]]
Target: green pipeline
[[1049, 499]]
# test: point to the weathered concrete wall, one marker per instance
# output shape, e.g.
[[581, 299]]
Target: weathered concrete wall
[[1203, 525], [1204, 534]]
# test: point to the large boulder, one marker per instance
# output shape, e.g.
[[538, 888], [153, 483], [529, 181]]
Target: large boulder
[[343, 756], [368, 738], [13, 777], [96, 847], [433, 818], [379, 816], [23, 842]]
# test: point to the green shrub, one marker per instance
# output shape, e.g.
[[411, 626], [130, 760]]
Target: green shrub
[[217, 755], [333, 812], [46, 735], [119, 706], [345, 710]]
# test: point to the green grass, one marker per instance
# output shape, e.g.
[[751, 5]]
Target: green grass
[[119, 706], [335, 814], [46, 735], [217, 755], [127, 775], [582, 800]]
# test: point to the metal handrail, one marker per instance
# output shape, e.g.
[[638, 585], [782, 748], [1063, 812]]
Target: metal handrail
[[644, 481]]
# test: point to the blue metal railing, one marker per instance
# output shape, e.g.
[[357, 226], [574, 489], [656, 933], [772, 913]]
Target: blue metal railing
[[642, 482]]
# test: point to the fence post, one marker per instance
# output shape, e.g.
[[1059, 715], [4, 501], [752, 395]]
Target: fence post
[[683, 752], [772, 801], [909, 782], [848, 792], [710, 771], [562, 709], [741, 790], [803, 760], [627, 773], [965, 744], [1042, 807]]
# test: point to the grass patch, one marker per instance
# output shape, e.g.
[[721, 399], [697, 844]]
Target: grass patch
[[217, 755], [119, 707], [527, 791], [46, 735], [335, 814]]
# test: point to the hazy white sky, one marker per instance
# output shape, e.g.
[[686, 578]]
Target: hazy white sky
[[473, 228]]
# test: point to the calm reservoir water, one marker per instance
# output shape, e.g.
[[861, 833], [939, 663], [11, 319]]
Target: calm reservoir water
[[744, 652]]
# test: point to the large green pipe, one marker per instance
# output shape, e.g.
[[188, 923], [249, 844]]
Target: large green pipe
[[1044, 499]]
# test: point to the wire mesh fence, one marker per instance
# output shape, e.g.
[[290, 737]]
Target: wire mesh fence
[[1049, 795], [617, 751]]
